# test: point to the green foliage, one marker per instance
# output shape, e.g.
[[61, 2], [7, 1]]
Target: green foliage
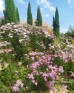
[[29, 15], [39, 17], [10, 11], [35, 40], [17, 15], [2, 21], [23, 73], [6, 57], [70, 84], [56, 25], [15, 44], [4, 89], [70, 32], [71, 91], [41, 84], [58, 62], [18, 47], [7, 76], [47, 41], [69, 66]]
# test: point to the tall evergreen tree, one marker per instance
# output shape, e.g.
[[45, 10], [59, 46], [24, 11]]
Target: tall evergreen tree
[[29, 15], [10, 11], [39, 17], [17, 15], [56, 25]]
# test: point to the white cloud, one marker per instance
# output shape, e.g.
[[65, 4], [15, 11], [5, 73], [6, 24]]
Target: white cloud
[[64, 30], [46, 4], [42, 9], [46, 15], [21, 1], [1, 5], [70, 1]]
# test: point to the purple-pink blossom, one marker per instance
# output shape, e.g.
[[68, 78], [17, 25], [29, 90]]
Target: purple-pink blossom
[[43, 67], [17, 86]]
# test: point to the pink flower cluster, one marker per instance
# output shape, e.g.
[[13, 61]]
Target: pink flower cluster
[[35, 53], [42, 66], [5, 43], [17, 86], [72, 74], [5, 50], [66, 53]]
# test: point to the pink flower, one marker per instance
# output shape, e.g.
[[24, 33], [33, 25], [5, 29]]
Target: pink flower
[[30, 76], [32, 58], [32, 53], [51, 85], [64, 88], [35, 65], [43, 67], [44, 75], [52, 76], [61, 69], [50, 66], [45, 79], [15, 88], [34, 82], [19, 83], [72, 74], [35, 72], [35, 53]]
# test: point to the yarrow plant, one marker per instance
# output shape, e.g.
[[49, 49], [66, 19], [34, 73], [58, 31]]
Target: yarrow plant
[[42, 69]]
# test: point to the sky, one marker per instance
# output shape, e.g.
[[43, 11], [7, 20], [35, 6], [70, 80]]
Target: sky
[[65, 8]]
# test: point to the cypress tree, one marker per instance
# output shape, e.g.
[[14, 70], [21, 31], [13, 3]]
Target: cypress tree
[[39, 17], [29, 15], [17, 15], [10, 11], [56, 26]]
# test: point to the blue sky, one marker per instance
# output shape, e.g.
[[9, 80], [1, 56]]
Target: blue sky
[[65, 7]]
